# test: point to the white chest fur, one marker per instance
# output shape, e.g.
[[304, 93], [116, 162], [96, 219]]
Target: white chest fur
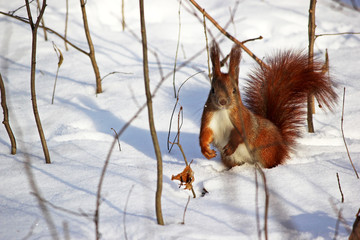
[[221, 126]]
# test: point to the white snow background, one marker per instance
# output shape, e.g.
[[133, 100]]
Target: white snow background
[[304, 195]]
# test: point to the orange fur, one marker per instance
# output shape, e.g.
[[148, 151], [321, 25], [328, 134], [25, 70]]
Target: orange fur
[[266, 129]]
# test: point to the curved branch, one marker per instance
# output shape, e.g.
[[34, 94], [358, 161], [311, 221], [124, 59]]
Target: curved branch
[[6, 117]]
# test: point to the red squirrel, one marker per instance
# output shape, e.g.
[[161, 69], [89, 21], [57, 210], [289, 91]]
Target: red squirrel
[[266, 127]]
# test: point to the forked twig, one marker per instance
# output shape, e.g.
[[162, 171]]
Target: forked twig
[[34, 27], [117, 138], [177, 138], [227, 34], [172, 114]]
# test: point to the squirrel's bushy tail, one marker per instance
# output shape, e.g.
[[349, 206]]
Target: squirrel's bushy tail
[[279, 92]]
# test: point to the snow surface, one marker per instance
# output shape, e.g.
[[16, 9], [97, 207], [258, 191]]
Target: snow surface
[[304, 192]]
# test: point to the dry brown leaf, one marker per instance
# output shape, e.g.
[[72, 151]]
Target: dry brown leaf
[[186, 177]]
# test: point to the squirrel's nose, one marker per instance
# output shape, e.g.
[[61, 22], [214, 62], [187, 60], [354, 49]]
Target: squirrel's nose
[[223, 102]]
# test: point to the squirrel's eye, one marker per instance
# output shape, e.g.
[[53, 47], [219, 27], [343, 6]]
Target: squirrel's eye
[[212, 90], [234, 90]]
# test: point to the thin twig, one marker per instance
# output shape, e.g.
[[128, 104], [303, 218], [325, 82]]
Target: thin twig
[[252, 39], [207, 48], [42, 21], [123, 15], [114, 72], [14, 11], [186, 206], [48, 30], [336, 34], [342, 132], [66, 24], [177, 48], [6, 116], [117, 138], [342, 195], [172, 114], [61, 59]]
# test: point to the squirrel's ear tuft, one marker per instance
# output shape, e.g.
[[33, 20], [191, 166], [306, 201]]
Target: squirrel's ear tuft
[[234, 68], [215, 58]]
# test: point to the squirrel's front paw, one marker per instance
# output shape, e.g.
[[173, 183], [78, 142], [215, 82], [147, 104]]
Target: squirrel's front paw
[[208, 153], [228, 150]]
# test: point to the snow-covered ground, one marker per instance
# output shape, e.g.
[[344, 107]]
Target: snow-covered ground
[[304, 193]]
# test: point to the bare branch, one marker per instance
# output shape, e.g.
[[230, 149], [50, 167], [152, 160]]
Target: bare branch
[[66, 24], [177, 48], [342, 195], [342, 132], [91, 48], [186, 206], [222, 30], [336, 34], [6, 116], [311, 36], [151, 118], [48, 30], [207, 49], [42, 21], [34, 28]]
